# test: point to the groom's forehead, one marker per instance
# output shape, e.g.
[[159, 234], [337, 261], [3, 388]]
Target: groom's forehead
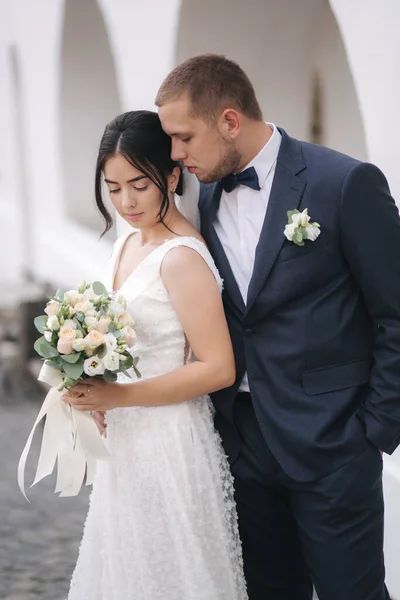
[[175, 118]]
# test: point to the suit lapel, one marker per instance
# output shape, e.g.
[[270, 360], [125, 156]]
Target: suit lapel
[[209, 213], [287, 190]]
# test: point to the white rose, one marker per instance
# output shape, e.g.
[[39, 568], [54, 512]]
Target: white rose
[[72, 297], [52, 308], [103, 324], [91, 322], [110, 341], [53, 323], [128, 335], [93, 366], [79, 345], [89, 294], [116, 308], [47, 336], [111, 361], [125, 319], [70, 323], [312, 232], [289, 231]]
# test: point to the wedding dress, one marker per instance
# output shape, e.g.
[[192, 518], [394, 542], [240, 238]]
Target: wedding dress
[[162, 521]]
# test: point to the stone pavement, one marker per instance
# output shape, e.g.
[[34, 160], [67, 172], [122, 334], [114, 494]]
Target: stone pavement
[[38, 541]]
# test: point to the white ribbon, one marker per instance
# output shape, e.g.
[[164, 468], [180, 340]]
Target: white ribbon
[[70, 437]]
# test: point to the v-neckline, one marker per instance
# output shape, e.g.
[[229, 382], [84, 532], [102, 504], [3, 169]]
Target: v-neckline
[[118, 260], [134, 270]]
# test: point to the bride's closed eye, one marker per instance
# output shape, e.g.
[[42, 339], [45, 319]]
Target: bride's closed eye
[[138, 189]]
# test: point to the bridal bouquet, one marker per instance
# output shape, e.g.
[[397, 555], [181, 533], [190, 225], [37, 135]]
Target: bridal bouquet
[[86, 333]]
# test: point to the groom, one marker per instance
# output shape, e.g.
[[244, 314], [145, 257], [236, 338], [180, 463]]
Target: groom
[[315, 325]]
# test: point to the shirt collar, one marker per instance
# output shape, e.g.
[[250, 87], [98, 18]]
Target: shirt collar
[[266, 158]]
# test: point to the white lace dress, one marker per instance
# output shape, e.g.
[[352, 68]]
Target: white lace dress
[[162, 521]]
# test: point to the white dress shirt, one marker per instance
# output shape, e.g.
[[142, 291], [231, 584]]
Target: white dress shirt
[[241, 216]]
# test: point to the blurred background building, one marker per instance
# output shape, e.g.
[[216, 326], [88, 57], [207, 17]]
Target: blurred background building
[[328, 71]]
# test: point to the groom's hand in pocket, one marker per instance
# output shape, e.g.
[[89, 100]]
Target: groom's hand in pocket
[[99, 419]]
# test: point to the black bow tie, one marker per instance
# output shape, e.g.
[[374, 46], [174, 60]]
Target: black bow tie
[[247, 177]]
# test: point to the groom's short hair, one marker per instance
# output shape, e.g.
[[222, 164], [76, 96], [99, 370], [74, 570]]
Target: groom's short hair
[[212, 83]]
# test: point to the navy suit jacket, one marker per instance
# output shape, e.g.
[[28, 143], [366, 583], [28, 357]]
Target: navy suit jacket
[[320, 333]]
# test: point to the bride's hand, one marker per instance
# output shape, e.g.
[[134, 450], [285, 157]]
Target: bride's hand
[[99, 419], [96, 395]]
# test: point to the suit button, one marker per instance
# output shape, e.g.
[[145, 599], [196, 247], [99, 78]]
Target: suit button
[[248, 332]]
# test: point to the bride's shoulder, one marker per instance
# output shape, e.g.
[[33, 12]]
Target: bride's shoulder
[[187, 254]]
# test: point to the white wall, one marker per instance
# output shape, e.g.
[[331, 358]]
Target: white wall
[[88, 99], [342, 121], [11, 250], [281, 50], [370, 31]]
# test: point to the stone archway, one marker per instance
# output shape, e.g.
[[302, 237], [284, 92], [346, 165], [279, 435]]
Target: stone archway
[[282, 46], [89, 99]]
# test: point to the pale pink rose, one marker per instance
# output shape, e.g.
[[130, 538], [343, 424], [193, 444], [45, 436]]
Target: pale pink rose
[[103, 324], [94, 338], [67, 334], [125, 320], [82, 306], [128, 334], [52, 308], [64, 347]]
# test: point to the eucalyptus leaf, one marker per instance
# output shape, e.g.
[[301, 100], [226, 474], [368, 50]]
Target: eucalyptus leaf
[[68, 382], [47, 351], [290, 214], [71, 358], [74, 371], [54, 363], [101, 351], [99, 288], [40, 323], [37, 344], [110, 376], [128, 363]]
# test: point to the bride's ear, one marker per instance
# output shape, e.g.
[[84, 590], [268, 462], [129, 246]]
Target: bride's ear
[[174, 183]]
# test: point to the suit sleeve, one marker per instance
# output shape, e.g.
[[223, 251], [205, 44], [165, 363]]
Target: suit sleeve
[[370, 226]]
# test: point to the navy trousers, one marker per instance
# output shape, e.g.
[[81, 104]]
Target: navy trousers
[[327, 532]]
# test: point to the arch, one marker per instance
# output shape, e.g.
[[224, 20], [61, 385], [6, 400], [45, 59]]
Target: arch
[[89, 99], [282, 46]]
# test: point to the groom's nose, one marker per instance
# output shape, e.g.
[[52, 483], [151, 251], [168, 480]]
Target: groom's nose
[[177, 150]]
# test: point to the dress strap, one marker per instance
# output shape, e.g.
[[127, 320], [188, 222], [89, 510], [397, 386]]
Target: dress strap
[[194, 244]]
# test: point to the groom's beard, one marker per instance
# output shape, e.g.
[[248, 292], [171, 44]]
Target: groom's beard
[[229, 163]]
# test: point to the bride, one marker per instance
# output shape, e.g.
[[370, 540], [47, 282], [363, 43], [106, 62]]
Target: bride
[[162, 521]]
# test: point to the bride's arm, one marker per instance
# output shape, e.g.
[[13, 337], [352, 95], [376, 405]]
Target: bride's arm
[[197, 301]]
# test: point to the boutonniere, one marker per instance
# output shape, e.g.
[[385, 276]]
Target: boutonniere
[[299, 228]]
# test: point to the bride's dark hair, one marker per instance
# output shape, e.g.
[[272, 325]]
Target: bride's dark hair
[[138, 137]]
